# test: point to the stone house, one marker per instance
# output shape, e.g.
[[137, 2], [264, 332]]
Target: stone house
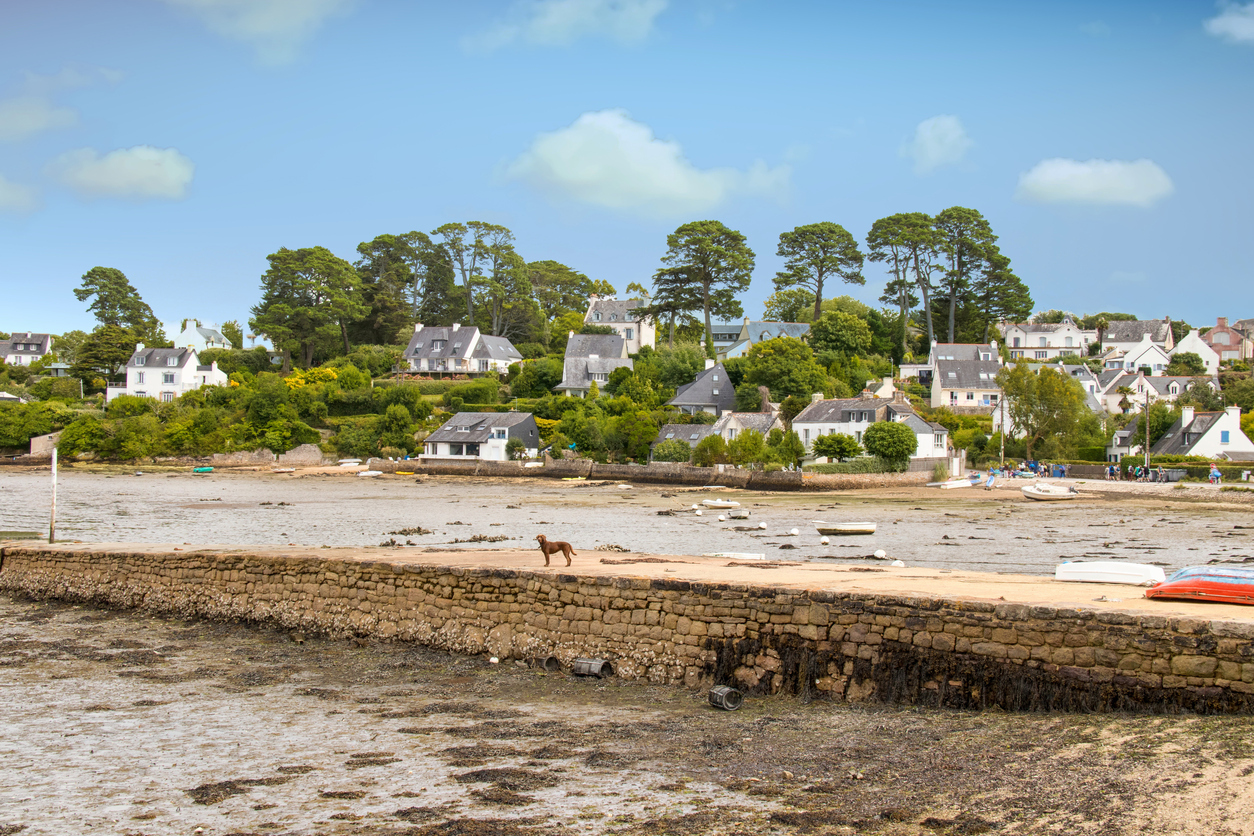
[[1228, 342]]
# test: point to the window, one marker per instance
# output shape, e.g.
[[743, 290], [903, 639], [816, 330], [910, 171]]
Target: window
[[970, 396], [1070, 342], [951, 375], [168, 377], [139, 361], [139, 377], [993, 398], [597, 316], [715, 391], [417, 345], [613, 317], [731, 434], [1223, 436], [1043, 343], [805, 436], [693, 437], [630, 333], [498, 433], [986, 356], [1042, 355], [938, 439], [456, 346], [171, 361], [455, 449], [670, 435], [167, 397], [483, 365], [436, 345], [1016, 342]]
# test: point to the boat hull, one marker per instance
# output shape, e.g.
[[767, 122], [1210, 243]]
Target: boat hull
[[720, 503], [1233, 585], [1109, 571], [839, 529], [1048, 493]]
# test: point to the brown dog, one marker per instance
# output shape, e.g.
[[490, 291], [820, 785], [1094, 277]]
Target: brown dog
[[549, 547]]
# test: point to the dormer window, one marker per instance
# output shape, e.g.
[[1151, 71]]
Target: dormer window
[[456, 346], [139, 361], [714, 377], [171, 361], [596, 316], [613, 317]]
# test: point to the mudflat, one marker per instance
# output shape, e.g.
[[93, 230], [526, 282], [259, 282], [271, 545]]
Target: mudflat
[[119, 722]]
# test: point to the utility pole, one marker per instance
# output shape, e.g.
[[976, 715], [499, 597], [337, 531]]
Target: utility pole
[[1147, 450], [52, 520], [1002, 434]]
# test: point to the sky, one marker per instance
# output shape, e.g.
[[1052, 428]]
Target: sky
[[182, 141]]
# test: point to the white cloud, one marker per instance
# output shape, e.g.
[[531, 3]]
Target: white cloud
[[29, 115], [607, 159], [137, 173], [1234, 23], [276, 29], [14, 197], [937, 142], [1058, 180], [562, 22]]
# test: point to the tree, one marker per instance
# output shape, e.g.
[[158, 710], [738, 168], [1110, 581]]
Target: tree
[[558, 290], [785, 447], [515, 449], [386, 269], [789, 305], [785, 366], [886, 242], [839, 446], [910, 242], [1048, 404], [966, 241], [67, 346], [713, 263], [505, 285], [710, 451], [748, 447], [672, 450], [840, 331], [467, 247], [116, 302], [815, 253], [892, 441], [103, 353], [306, 294], [233, 333], [1159, 418], [1186, 363], [635, 290], [998, 294]]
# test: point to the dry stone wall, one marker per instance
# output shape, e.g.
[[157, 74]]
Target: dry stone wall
[[764, 640]]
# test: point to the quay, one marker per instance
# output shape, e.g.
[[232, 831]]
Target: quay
[[829, 631]]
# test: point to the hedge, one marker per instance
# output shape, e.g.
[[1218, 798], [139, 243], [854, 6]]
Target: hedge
[[862, 464]]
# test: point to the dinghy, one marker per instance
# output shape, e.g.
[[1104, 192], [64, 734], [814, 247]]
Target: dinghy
[[1223, 584], [370, 473], [1046, 492], [959, 482], [283, 470], [202, 470], [720, 503], [838, 529], [1108, 571]]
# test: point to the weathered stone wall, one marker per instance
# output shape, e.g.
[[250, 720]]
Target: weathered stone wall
[[762, 639], [244, 458]]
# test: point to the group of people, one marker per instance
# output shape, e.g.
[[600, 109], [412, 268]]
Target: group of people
[[1135, 473]]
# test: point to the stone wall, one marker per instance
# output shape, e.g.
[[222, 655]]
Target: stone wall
[[244, 458], [765, 640]]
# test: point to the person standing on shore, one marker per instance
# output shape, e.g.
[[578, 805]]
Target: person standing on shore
[[1215, 476]]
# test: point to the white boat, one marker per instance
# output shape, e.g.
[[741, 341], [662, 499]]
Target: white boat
[[283, 470], [738, 514], [720, 503], [736, 555], [1109, 571], [843, 528], [370, 473], [961, 482], [349, 462], [1046, 492]]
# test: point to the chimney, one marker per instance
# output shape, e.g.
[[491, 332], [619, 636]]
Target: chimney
[[139, 346], [1222, 322], [456, 325], [709, 363], [1235, 413], [417, 327], [1186, 416], [899, 396], [816, 397], [746, 320]]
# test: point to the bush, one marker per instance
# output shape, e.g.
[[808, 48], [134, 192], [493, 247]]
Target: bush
[[82, 436], [940, 472], [515, 449], [672, 450], [129, 406], [839, 446], [483, 391], [890, 441], [710, 451], [863, 464]]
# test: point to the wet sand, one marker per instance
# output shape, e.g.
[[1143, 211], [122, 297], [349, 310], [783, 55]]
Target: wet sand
[[966, 529], [118, 723]]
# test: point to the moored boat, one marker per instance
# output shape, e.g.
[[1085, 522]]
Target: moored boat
[[1047, 492], [838, 529], [720, 503], [1222, 584], [1108, 571]]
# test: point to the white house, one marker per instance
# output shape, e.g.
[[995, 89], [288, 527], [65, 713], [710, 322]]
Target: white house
[[1044, 341], [1144, 353], [625, 318], [1210, 434], [457, 349], [483, 435], [710, 392], [201, 337], [964, 376], [591, 358], [165, 373], [730, 425], [852, 416], [24, 348], [1193, 342], [1123, 335]]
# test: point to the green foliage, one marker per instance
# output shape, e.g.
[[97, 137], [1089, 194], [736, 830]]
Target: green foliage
[[891, 441], [83, 435], [706, 264], [748, 448], [785, 366], [672, 450], [793, 304], [117, 303], [531, 351], [19, 423], [515, 449], [357, 437], [592, 328], [785, 447], [126, 406], [1186, 363], [1160, 418], [710, 451], [841, 332], [230, 361], [234, 334], [309, 296], [631, 433], [839, 446], [864, 464], [1048, 405], [537, 378], [816, 253], [350, 377], [748, 399]]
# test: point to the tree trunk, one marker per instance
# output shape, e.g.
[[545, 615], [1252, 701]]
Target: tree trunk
[[953, 306], [818, 297], [670, 343], [344, 334], [924, 289], [709, 332]]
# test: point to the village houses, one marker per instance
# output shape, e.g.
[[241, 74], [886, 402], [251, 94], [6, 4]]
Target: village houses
[[165, 374], [591, 358], [483, 435], [457, 349], [627, 319], [852, 416]]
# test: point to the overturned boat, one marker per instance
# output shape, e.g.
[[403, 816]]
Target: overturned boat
[[839, 529], [1109, 571], [1223, 584]]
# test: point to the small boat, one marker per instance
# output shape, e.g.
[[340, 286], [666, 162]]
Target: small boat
[[573, 478], [349, 462], [736, 555], [202, 470], [1109, 571], [961, 482], [738, 514], [720, 503], [1222, 584], [283, 470], [404, 473], [1046, 492], [370, 473], [839, 529]]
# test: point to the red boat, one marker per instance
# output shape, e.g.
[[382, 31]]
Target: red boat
[[1222, 584]]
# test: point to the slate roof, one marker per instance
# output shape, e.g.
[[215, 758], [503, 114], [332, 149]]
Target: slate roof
[[690, 433], [481, 425], [830, 411], [1245, 326], [212, 335], [455, 343], [1161, 382], [966, 370], [160, 357], [614, 310], [1133, 330], [1239, 456], [759, 331], [701, 391], [495, 348], [602, 345], [577, 371], [1179, 440], [763, 422], [1128, 436], [1108, 377], [4, 349], [41, 342]]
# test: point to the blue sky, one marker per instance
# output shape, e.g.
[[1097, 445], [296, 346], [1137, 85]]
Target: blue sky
[[182, 141]]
